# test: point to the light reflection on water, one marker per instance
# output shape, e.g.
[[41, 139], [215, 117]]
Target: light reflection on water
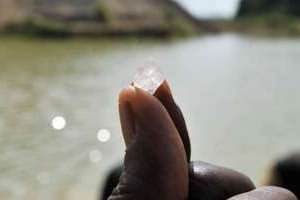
[[240, 97], [59, 122], [95, 156], [103, 135]]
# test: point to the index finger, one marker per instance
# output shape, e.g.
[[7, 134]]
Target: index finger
[[164, 94]]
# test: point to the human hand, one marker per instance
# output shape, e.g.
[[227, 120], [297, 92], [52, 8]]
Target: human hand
[[157, 160]]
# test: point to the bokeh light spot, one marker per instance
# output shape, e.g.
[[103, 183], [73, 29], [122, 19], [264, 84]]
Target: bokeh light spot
[[95, 156], [59, 122], [103, 135]]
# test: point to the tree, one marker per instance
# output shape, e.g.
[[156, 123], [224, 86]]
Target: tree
[[261, 7]]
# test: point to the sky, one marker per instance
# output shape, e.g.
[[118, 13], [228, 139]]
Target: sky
[[211, 8]]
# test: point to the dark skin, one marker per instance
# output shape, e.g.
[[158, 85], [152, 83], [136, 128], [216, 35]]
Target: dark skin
[[157, 161]]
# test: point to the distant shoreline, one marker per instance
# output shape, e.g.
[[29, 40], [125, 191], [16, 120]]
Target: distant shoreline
[[149, 18], [254, 26]]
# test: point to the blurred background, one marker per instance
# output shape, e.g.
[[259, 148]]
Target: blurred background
[[233, 67]]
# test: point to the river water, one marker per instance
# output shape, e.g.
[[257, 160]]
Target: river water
[[240, 96]]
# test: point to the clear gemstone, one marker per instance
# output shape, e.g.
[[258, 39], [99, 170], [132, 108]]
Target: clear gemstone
[[148, 78]]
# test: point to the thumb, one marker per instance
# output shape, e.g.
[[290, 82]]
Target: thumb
[[155, 164]]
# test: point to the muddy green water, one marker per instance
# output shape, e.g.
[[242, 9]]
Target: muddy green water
[[240, 96]]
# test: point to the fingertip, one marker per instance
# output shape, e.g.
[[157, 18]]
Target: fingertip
[[163, 90], [136, 96], [127, 94], [149, 110], [139, 109]]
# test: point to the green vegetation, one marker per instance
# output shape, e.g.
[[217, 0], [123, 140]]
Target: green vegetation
[[178, 25], [276, 17], [102, 13], [159, 19], [37, 27], [43, 27], [182, 28], [262, 7], [267, 25]]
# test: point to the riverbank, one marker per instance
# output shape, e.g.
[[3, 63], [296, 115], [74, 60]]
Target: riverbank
[[269, 17], [131, 18], [270, 25], [92, 18]]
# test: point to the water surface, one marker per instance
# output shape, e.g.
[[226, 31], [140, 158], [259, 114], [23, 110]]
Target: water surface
[[240, 96]]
